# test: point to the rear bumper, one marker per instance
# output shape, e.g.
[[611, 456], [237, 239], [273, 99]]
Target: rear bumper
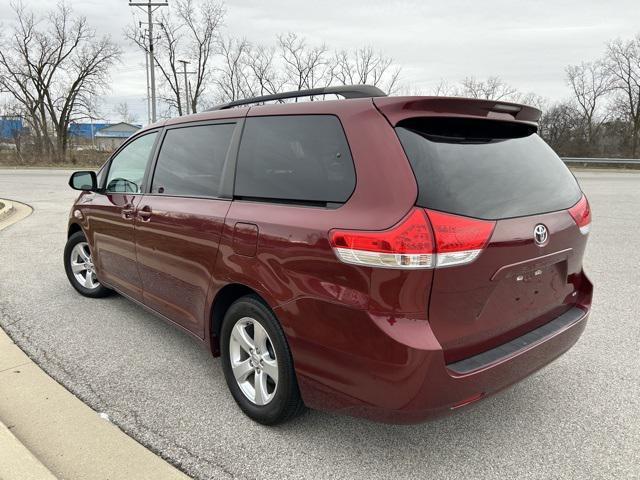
[[422, 386]]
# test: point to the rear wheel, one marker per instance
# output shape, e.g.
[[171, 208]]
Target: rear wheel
[[78, 263], [257, 363]]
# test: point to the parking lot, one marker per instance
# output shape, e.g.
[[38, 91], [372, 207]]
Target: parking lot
[[577, 418]]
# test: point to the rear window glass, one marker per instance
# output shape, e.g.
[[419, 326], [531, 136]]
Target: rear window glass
[[302, 158], [485, 169]]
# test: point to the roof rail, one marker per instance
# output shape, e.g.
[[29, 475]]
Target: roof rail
[[347, 91]]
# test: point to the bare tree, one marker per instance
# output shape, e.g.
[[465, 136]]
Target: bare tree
[[445, 89], [365, 66], [25, 73], [166, 58], [125, 114], [305, 67], [558, 126], [202, 24], [234, 78], [622, 64], [493, 88], [261, 62], [53, 65], [590, 84], [533, 99], [250, 70]]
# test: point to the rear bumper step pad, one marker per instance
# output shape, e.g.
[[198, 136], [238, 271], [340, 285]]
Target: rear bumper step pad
[[494, 355]]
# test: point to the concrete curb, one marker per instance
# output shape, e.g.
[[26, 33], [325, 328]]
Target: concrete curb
[[13, 212], [6, 209], [16, 462], [60, 431]]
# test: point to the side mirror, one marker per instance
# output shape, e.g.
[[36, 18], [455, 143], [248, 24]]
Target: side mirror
[[85, 181]]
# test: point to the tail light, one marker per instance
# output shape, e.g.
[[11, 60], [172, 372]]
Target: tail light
[[459, 239], [413, 243], [409, 244], [581, 213]]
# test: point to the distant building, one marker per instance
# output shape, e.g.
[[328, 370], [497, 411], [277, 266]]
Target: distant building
[[9, 127], [105, 136], [111, 137], [86, 130]]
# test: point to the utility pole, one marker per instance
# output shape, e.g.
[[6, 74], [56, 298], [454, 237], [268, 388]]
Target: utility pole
[[186, 82], [146, 74], [150, 7]]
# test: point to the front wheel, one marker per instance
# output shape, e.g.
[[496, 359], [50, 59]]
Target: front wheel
[[257, 363], [78, 263]]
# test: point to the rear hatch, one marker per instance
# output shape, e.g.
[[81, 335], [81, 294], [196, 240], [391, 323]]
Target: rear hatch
[[497, 187]]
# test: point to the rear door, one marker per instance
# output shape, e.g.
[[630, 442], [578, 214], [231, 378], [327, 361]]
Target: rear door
[[499, 181], [179, 222]]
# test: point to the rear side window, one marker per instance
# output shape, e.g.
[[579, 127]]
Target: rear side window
[[191, 160], [485, 169], [301, 158]]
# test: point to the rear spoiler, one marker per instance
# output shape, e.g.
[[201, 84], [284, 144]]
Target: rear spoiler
[[397, 109]]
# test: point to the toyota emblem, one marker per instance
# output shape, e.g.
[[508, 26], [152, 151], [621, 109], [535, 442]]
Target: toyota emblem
[[540, 235]]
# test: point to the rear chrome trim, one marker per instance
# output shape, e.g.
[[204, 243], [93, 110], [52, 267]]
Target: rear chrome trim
[[531, 264], [511, 348]]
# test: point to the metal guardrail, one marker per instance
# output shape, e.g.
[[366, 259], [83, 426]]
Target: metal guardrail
[[601, 161]]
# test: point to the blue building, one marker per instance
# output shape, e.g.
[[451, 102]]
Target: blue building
[[9, 127], [105, 136], [85, 130]]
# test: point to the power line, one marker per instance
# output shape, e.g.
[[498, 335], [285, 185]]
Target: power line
[[150, 7]]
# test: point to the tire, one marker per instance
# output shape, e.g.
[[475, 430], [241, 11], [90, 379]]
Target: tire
[[280, 400], [75, 244]]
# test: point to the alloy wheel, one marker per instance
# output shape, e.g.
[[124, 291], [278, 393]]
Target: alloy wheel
[[82, 266], [253, 361]]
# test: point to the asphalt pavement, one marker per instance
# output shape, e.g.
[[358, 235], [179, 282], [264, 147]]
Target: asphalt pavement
[[577, 418]]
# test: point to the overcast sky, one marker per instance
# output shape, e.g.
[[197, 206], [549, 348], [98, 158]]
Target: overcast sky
[[527, 43]]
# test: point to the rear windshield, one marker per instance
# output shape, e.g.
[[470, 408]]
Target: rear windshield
[[485, 169]]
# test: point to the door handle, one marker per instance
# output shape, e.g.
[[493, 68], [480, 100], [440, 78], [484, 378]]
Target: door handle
[[127, 212], [144, 214]]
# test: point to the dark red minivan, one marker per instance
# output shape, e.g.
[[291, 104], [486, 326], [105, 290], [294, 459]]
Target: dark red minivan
[[394, 258]]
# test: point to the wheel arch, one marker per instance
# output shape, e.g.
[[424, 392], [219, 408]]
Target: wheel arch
[[73, 228], [221, 303]]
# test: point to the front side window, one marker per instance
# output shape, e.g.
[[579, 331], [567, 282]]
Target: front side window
[[302, 158], [192, 159], [126, 171]]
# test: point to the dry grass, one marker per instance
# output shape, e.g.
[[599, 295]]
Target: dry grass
[[75, 159]]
